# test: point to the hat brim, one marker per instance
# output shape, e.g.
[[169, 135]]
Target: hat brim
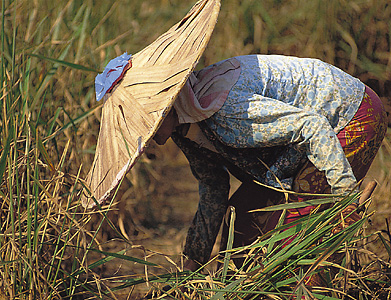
[[136, 107]]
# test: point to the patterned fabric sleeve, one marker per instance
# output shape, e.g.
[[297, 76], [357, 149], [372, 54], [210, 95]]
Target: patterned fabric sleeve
[[285, 168], [267, 122], [214, 187]]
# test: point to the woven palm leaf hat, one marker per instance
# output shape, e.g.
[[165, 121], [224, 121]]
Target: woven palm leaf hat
[[135, 108]]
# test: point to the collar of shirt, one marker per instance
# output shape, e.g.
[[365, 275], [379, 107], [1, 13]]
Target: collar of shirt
[[206, 90]]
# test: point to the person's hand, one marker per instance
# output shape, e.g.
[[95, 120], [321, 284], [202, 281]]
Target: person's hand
[[348, 217]]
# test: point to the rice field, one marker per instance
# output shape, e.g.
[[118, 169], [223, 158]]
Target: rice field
[[51, 248]]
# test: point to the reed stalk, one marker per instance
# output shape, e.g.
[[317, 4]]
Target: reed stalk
[[51, 248]]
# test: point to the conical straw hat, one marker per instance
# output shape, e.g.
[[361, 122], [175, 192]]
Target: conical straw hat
[[135, 109]]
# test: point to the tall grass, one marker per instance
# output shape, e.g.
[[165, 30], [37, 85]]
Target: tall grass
[[50, 248], [273, 269], [44, 237]]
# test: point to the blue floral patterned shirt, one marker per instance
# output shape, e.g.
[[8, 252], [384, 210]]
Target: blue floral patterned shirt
[[280, 100], [299, 103]]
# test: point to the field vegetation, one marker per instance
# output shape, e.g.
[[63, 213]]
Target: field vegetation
[[51, 248]]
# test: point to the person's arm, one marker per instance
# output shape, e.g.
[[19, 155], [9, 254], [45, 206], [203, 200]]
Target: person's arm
[[285, 168], [275, 123], [214, 187]]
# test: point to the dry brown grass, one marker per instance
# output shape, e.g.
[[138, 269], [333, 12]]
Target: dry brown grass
[[50, 120]]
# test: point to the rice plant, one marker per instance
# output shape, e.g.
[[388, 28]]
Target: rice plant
[[315, 265], [50, 248]]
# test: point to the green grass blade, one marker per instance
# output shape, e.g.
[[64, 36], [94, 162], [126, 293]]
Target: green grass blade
[[83, 29], [74, 122], [293, 205], [230, 241], [49, 75], [6, 150], [64, 63], [385, 243], [124, 257], [230, 288]]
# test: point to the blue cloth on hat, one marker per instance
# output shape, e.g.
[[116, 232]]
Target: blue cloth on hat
[[114, 69]]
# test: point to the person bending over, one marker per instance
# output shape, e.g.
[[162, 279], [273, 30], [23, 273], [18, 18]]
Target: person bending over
[[316, 127]]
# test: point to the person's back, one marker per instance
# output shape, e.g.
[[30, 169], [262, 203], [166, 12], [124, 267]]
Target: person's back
[[305, 83]]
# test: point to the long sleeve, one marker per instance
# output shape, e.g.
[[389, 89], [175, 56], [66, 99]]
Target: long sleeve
[[280, 100], [285, 168], [266, 122], [312, 133], [214, 187]]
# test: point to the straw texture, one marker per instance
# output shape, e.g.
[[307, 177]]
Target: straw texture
[[135, 109]]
